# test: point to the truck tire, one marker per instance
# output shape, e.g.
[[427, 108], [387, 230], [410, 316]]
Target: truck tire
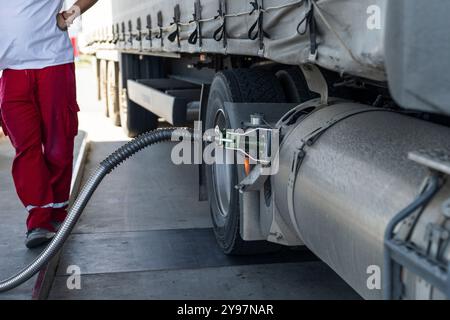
[[113, 92], [104, 86], [242, 85], [295, 86]]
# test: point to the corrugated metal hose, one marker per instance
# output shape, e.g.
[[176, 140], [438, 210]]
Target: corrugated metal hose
[[107, 166]]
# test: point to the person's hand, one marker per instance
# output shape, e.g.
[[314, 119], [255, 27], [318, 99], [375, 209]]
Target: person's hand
[[66, 18], [61, 22]]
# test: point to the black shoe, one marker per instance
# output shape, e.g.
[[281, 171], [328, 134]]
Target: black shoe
[[38, 237], [56, 225]]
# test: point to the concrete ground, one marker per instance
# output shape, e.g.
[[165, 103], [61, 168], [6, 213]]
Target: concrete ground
[[13, 253], [144, 235]]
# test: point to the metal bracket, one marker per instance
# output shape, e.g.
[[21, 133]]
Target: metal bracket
[[297, 160], [436, 236], [256, 143], [436, 159], [254, 181], [399, 252], [259, 144], [316, 81]]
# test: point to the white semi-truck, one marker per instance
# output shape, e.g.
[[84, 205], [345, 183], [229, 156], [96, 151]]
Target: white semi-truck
[[356, 93]]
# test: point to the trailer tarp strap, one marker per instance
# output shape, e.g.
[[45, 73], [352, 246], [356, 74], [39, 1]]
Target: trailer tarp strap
[[197, 34], [139, 29], [256, 31], [123, 33], [130, 32], [160, 26], [221, 33], [176, 22], [149, 30], [309, 23], [116, 34]]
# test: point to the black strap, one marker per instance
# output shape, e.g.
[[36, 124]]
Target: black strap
[[139, 29], [122, 37], [130, 30], [176, 21], [149, 29], [193, 37], [197, 34], [174, 35], [221, 33], [256, 31], [160, 35], [309, 22], [160, 25], [116, 33]]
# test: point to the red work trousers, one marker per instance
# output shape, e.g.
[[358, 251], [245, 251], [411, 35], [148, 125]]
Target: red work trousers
[[39, 114]]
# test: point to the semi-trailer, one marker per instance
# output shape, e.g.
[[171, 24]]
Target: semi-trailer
[[353, 96]]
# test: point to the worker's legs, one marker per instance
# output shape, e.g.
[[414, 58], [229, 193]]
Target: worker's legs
[[39, 113], [56, 96], [22, 121]]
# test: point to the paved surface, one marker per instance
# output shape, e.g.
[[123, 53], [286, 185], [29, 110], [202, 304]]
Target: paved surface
[[13, 253], [276, 281], [145, 235]]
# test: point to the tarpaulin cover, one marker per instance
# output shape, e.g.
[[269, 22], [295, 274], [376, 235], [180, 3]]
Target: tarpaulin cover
[[417, 54], [348, 38]]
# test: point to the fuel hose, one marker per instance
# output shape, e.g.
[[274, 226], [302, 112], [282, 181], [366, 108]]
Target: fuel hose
[[106, 166]]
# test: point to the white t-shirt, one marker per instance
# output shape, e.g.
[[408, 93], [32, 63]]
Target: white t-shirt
[[29, 36]]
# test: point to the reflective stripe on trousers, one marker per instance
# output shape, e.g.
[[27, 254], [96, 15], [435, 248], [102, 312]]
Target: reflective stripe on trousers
[[39, 113], [50, 205]]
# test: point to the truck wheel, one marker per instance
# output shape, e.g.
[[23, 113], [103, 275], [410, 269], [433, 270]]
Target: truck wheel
[[113, 93], [134, 119], [295, 86], [234, 86], [104, 86]]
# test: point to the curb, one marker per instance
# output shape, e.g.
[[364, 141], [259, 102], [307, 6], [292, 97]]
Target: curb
[[46, 276]]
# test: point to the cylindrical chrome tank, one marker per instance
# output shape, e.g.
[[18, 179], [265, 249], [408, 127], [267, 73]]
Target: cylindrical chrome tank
[[352, 181]]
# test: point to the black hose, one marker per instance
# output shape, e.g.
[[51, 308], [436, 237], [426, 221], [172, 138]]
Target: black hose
[[106, 167], [431, 188]]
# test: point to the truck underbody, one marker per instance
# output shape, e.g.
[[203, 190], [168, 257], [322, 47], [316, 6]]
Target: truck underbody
[[359, 176]]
